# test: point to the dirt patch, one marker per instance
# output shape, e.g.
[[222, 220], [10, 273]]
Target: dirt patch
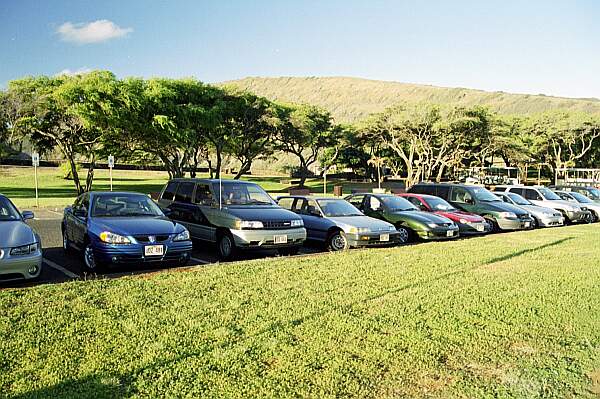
[[595, 377], [522, 348]]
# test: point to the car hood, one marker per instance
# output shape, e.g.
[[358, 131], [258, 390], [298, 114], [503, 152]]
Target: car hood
[[361, 222], [499, 206], [420, 216], [137, 225], [562, 204], [16, 233], [538, 210], [262, 213], [457, 215], [594, 206]]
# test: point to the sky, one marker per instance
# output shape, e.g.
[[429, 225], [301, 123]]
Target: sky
[[548, 47]]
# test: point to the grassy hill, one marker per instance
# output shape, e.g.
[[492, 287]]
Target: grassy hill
[[351, 99]]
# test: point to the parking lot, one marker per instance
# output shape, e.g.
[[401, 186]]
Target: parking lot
[[59, 267]]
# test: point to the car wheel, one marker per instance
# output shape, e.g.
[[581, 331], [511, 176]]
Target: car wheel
[[90, 262], [66, 242], [288, 251], [535, 223], [226, 246], [337, 241], [404, 235], [494, 228]]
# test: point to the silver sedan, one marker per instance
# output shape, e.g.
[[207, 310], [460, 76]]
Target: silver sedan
[[20, 246]]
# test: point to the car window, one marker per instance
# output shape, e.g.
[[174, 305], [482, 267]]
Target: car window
[[517, 199], [442, 192], [357, 201], [373, 203], [169, 193], [286, 203], [548, 194], [203, 195], [124, 205], [581, 198], [234, 193], [415, 201], [184, 192], [8, 211], [397, 204], [309, 207], [516, 190], [338, 207], [531, 194], [460, 195]]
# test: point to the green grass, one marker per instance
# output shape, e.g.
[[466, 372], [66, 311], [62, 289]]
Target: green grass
[[352, 99], [18, 183], [500, 316]]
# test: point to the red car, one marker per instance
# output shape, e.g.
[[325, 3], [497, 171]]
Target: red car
[[468, 223]]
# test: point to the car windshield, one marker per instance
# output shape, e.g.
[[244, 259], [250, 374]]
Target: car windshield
[[581, 198], [397, 204], [439, 204], [8, 212], [338, 207], [124, 205], [548, 194], [594, 193], [235, 193], [518, 199], [484, 195]]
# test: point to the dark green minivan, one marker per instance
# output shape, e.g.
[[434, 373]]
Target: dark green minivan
[[478, 200]]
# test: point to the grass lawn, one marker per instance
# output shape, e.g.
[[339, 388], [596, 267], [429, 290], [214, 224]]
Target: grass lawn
[[18, 183], [513, 315]]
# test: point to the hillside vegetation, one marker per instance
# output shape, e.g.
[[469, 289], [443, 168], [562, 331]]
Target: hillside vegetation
[[493, 317], [351, 99]]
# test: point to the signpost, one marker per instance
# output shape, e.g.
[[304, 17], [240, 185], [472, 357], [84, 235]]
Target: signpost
[[111, 165], [35, 160]]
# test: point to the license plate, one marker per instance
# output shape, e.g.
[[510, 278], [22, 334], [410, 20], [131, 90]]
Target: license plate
[[384, 237], [480, 227], [450, 233], [154, 250], [280, 239], [527, 224]]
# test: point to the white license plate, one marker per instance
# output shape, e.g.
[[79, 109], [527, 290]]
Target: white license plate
[[450, 233], [280, 239], [527, 224], [384, 237], [480, 227], [154, 250]]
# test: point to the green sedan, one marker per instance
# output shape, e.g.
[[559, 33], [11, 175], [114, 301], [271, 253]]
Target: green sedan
[[411, 223]]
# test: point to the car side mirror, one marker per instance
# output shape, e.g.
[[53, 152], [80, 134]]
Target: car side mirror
[[27, 215]]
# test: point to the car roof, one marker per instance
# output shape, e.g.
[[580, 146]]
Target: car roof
[[311, 197], [115, 193], [424, 196], [206, 180]]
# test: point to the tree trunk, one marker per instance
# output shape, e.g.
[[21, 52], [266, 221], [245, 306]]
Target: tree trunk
[[75, 175], [244, 168], [89, 180], [218, 165]]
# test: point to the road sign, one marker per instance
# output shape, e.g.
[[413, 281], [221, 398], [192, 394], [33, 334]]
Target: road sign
[[35, 159], [111, 161]]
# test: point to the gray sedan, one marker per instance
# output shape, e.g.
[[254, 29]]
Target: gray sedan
[[542, 217], [20, 246]]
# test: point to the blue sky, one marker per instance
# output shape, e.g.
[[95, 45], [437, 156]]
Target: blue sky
[[550, 47]]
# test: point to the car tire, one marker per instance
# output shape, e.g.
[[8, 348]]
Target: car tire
[[67, 247], [290, 251], [535, 224], [405, 234], [494, 228], [337, 241], [90, 263], [226, 246]]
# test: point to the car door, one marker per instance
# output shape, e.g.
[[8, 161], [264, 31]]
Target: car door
[[315, 223], [199, 225], [358, 201], [69, 217], [373, 207], [462, 198], [181, 207], [79, 220]]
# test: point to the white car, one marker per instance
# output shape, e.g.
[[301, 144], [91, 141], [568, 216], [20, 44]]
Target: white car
[[543, 196], [582, 200]]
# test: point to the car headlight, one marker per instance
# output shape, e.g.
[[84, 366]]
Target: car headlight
[[24, 249], [432, 225], [249, 224], [358, 230], [297, 223], [112, 238], [183, 236], [508, 215], [463, 221]]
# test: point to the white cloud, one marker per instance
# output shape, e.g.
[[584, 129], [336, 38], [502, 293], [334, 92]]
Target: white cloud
[[91, 32], [71, 72]]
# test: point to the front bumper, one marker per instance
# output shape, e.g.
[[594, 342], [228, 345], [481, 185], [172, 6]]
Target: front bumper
[[551, 221], [260, 238], [473, 228], [578, 216], [514, 223], [134, 253], [439, 233], [373, 239], [23, 267]]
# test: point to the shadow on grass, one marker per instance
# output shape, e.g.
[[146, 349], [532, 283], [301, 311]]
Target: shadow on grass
[[528, 250]]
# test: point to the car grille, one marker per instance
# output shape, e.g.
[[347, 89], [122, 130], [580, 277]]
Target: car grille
[[445, 224], [277, 224], [156, 238]]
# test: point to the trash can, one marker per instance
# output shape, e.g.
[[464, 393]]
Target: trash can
[[337, 191]]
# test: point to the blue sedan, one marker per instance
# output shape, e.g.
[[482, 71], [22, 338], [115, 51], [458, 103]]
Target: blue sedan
[[122, 228]]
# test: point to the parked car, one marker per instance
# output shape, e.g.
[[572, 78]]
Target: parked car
[[591, 192], [112, 228], [234, 214], [583, 201], [478, 200], [338, 223], [543, 196], [411, 223], [542, 216], [20, 245], [468, 223]]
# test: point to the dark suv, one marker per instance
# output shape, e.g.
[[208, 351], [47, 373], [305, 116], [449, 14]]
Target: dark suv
[[478, 200], [233, 214]]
